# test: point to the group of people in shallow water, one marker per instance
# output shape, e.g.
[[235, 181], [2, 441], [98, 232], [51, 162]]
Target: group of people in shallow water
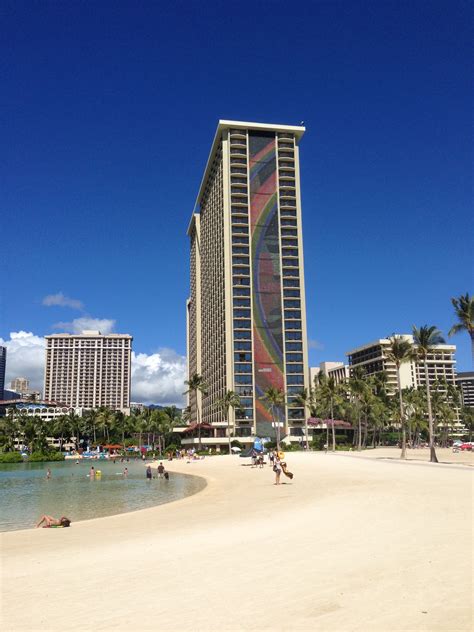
[[160, 472], [276, 462]]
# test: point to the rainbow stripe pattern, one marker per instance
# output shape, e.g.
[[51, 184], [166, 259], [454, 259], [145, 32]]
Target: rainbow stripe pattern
[[266, 275]]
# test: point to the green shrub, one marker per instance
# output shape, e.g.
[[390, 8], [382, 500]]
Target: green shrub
[[50, 455], [236, 444], [10, 457], [171, 448]]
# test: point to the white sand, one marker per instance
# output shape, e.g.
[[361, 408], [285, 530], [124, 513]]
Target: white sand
[[352, 544]]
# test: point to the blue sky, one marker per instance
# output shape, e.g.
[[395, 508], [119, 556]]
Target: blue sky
[[108, 112]]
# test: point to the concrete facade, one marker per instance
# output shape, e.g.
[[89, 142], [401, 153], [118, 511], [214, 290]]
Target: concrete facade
[[465, 383], [88, 370]]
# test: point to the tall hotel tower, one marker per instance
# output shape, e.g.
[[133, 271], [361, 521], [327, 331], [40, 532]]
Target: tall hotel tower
[[246, 314], [88, 370]]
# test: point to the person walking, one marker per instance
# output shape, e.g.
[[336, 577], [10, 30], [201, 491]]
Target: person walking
[[48, 473], [277, 468]]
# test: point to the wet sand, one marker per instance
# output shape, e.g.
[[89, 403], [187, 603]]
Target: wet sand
[[354, 542]]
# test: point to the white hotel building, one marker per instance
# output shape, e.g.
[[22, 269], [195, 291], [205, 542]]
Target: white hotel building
[[372, 358], [88, 370]]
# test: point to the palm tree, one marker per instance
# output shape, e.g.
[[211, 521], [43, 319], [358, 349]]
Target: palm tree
[[196, 385], [229, 400], [357, 388], [415, 410], [61, 427], [90, 420], [76, 424], [275, 399], [464, 310], [425, 339], [400, 351], [105, 421], [304, 399]]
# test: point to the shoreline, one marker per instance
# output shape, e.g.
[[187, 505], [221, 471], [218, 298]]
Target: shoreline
[[343, 535], [113, 515]]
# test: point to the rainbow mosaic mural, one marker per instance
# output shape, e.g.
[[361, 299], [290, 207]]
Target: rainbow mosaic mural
[[266, 275]]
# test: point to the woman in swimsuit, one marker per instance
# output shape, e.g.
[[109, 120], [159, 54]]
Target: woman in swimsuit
[[49, 522]]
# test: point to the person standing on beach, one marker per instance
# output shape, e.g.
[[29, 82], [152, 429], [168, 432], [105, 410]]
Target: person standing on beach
[[148, 473], [92, 473], [48, 473], [161, 470], [277, 469], [125, 472]]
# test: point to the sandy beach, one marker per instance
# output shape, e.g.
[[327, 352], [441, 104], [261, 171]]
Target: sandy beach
[[355, 542]]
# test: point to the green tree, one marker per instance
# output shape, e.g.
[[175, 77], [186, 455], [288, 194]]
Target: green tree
[[426, 338], [229, 400], [444, 401], [464, 310], [400, 351], [61, 428], [90, 421], [105, 421], [467, 418], [415, 410], [9, 430], [195, 386], [304, 399], [274, 398], [329, 394], [357, 389]]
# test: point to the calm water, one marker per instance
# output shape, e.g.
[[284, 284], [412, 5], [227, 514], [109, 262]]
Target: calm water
[[26, 494]]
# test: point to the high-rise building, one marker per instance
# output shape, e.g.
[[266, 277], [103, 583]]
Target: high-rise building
[[20, 385], [337, 370], [88, 370], [373, 358], [465, 383], [3, 364], [246, 314]]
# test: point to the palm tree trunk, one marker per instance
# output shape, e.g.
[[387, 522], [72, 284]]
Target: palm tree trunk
[[433, 457], [403, 455], [199, 424], [332, 425], [228, 433], [366, 427], [359, 432]]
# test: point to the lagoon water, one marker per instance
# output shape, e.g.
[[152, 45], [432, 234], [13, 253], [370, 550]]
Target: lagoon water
[[26, 493]]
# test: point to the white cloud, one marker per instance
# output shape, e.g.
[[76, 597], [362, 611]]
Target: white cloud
[[25, 358], [158, 377], [62, 301], [77, 326]]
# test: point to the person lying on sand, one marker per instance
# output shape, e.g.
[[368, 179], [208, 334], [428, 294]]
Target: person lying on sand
[[50, 522]]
